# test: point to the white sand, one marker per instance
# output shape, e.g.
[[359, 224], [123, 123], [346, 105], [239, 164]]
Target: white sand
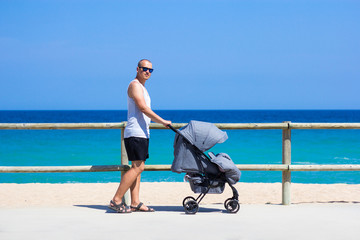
[[168, 194]]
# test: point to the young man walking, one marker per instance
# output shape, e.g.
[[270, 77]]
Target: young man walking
[[136, 137]]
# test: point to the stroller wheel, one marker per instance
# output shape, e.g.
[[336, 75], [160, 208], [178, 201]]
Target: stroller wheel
[[226, 202], [187, 199], [232, 205], [191, 207]]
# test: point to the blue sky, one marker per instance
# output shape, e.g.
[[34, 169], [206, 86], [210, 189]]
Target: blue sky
[[206, 54]]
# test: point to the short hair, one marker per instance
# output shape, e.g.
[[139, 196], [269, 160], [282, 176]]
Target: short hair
[[139, 63]]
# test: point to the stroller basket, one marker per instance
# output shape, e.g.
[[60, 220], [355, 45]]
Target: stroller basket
[[200, 184]]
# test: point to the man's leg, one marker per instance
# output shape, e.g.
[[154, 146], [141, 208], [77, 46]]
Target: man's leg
[[135, 193], [128, 180]]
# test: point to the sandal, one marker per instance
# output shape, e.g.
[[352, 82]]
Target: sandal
[[119, 208], [137, 209]]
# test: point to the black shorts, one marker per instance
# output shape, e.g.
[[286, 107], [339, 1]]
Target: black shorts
[[137, 148]]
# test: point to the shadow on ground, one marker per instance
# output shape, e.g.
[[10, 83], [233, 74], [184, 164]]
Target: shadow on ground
[[157, 208]]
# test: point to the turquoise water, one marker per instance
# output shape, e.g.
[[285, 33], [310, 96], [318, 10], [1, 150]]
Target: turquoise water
[[102, 147]]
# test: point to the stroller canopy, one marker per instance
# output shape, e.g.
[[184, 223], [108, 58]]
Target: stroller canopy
[[204, 136]]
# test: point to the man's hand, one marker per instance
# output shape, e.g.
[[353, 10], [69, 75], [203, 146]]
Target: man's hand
[[166, 123]]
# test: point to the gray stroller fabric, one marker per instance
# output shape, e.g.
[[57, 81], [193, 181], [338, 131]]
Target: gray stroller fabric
[[226, 165], [204, 136]]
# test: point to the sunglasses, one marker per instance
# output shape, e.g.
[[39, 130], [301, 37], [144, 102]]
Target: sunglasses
[[145, 69]]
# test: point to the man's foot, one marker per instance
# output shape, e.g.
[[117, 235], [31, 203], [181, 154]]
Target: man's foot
[[119, 208], [141, 208]]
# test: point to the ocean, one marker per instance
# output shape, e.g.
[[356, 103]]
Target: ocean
[[102, 147]]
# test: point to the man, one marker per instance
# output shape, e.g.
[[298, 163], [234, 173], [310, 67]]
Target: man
[[136, 139]]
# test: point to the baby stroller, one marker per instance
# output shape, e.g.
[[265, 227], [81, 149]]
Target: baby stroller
[[206, 174]]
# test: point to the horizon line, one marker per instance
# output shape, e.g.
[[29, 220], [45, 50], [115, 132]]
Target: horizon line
[[260, 109]]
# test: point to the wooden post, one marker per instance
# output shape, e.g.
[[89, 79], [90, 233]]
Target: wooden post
[[124, 161], [286, 159]]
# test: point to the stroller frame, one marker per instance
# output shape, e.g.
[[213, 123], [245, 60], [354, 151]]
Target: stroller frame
[[190, 204]]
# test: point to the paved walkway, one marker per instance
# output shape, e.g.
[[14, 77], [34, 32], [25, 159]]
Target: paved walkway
[[298, 221]]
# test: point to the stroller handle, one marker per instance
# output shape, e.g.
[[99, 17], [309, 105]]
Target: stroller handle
[[178, 132], [172, 128], [185, 138]]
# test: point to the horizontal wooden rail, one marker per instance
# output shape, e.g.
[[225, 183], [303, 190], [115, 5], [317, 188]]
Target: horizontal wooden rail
[[328, 167], [243, 167], [47, 169], [50, 126], [324, 125], [229, 126]]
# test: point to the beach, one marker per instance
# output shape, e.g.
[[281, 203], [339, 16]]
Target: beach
[[170, 194]]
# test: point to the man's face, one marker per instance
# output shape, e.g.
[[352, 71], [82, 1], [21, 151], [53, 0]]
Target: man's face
[[145, 65]]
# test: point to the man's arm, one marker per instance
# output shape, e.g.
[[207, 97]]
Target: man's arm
[[135, 91]]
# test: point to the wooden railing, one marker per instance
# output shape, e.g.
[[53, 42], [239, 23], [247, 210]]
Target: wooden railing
[[285, 167]]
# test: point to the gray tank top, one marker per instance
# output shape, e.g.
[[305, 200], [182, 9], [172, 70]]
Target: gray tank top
[[137, 122]]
